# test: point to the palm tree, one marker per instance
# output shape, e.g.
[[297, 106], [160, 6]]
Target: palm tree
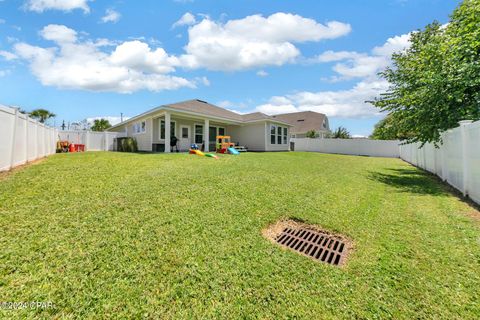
[[41, 115], [311, 134], [341, 133], [100, 125]]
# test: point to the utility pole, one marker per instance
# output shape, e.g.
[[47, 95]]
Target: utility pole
[[63, 125], [121, 116]]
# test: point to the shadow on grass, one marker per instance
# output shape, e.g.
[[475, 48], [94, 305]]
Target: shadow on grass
[[410, 180]]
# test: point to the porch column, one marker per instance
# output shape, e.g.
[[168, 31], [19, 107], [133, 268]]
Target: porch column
[[167, 132], [206, 134]]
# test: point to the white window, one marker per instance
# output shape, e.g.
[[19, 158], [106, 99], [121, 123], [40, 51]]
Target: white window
[[198, 133], [278, 134], [139, 127]]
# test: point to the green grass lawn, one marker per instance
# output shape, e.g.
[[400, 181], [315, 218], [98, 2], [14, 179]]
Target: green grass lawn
[[116, 235]]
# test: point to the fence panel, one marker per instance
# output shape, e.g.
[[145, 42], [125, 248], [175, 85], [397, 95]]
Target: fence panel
[[93, 141], [19, 150], [456, 161], [7, 119], [473, 160], [360, 147], [22, 139]]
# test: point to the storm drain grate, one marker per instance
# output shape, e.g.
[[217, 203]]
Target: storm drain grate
[[317, 245]]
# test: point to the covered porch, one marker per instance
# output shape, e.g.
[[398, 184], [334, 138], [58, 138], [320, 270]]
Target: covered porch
[[188, 129]]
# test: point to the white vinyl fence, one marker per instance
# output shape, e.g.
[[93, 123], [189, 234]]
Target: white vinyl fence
[[23, 139], [93, 141], [358, 147], [457, 161]]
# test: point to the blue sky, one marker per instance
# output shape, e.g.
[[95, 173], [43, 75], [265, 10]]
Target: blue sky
[[84, 59]]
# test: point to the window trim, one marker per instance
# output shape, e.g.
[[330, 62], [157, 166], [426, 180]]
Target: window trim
[[185, 126], [274, 134], [280, 132], [139, 124]]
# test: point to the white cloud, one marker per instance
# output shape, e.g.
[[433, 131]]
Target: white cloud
[[254, 40], [129, 67], [11, 39], [203, 80], [348, 65], [362, 66], [229, 105], [187, 19], [8, 55], [394, 44], [351, 64], [111, 16], [344, 103], [262, 73], [4, 73], [348, 103], [331, 56], [62, 5], [58, 33]]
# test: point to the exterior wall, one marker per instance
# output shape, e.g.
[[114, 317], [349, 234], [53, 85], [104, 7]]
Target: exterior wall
[[144, 139], [254, 136], [275, 147], [251, 136], [183, 122]]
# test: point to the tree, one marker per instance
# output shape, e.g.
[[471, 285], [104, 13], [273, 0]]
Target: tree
[[436, 82], [390, 128], [100, 125], [42, 115], [341, 133], [311, 134]]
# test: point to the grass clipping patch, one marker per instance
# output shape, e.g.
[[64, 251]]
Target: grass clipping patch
[[310, 241]]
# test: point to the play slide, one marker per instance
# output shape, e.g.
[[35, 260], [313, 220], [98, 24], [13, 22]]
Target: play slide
[[197, 152], [200, 153], [233, 151]]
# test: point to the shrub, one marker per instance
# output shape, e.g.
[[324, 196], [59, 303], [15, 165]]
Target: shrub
[[127, 145]]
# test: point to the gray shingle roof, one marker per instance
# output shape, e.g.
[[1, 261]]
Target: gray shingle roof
[[304, 121], [256, 116], [203, 107]]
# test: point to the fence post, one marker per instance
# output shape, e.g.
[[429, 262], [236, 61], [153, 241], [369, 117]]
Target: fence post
[[26, 138], [105, 148], [466, 170], [14, 134], [87, 140]]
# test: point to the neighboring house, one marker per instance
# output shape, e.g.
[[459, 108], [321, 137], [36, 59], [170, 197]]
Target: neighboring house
[[305, 121], [197, 121]]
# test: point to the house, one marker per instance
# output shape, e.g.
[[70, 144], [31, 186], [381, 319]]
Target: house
[[305, 121], [197, 121]]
